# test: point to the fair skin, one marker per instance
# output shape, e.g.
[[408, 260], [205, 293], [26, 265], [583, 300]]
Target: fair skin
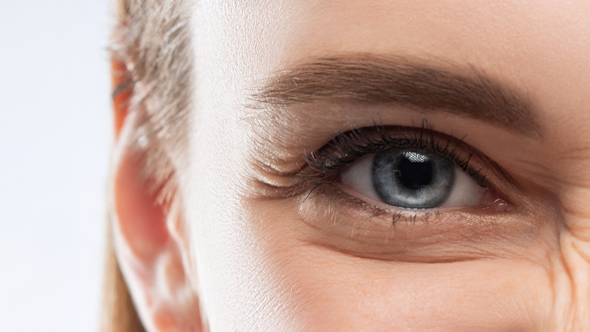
[[242, 257]]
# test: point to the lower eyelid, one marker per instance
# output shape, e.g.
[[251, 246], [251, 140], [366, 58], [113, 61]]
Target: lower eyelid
[[381, 208], [351, 225]]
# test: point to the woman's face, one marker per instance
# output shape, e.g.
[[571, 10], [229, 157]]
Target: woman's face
[[391, 165]]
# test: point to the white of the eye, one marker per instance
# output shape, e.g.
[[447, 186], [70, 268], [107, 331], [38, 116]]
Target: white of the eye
[[358, 177], [465, 191]]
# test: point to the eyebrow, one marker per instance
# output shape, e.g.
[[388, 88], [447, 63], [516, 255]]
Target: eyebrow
[[371, 79]]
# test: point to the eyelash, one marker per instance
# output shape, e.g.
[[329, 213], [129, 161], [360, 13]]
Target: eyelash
[[326, 164]]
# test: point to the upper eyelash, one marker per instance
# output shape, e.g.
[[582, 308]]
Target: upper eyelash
[[346, 148], [323, 166]]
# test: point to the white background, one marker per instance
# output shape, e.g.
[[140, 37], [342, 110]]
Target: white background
[[55, 138]]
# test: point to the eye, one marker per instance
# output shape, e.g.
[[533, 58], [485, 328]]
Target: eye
[[411, 179]]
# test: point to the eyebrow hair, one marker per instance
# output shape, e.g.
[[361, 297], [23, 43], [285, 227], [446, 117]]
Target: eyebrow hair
[[371, 79]]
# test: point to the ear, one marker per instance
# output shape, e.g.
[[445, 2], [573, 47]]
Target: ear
[[149, 239]]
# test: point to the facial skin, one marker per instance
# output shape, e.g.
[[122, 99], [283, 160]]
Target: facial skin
[[261, 260]]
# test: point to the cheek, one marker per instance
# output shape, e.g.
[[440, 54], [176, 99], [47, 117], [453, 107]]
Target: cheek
[[336, 292], [258, 271], [317, 288]]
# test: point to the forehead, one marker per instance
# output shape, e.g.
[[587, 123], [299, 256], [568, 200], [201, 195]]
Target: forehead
[[539, 46]]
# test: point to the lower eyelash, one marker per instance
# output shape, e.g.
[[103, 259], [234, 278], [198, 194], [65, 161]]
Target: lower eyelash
[[329, 194]]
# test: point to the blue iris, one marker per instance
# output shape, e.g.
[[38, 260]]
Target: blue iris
[[412, 179]]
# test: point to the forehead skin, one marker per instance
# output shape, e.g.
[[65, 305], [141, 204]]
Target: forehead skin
[[254, 273]]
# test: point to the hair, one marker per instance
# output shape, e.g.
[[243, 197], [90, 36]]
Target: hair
[[151, 39]]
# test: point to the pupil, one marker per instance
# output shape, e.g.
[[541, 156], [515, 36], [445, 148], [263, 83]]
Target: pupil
[[415, 174]]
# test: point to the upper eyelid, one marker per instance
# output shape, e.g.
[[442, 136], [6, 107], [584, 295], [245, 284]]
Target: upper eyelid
[[297, 173], [358, 142]]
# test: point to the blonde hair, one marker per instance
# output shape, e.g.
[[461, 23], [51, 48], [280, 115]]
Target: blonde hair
[[151, 40]]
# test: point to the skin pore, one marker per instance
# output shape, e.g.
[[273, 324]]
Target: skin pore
[[260, 241]]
